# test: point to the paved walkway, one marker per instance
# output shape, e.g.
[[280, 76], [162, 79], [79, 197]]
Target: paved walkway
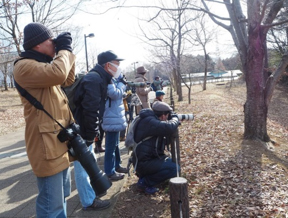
[[18, 188]]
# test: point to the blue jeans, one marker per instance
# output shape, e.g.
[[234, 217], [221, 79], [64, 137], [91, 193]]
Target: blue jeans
[[53, 190], [112, 153], [167, 171], [82, 180]]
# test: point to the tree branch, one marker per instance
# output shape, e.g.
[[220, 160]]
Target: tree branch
[[274, 78]]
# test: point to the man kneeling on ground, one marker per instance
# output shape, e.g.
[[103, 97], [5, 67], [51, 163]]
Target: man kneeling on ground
[[152, 165]]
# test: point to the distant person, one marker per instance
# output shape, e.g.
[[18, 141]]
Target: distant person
[[142, 92], [149, 160], [41, 74], [126, 103], [159, 95], [90, 98], [157, 83]]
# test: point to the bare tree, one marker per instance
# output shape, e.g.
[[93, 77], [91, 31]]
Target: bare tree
[[169, 36], [53, 14], [6, 66], [249, 36], [201, 36]]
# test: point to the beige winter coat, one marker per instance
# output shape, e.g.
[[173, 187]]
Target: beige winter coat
[[142, 92], [47, 155]]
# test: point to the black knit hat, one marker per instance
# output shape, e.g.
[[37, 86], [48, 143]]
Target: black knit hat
[[34, 34]]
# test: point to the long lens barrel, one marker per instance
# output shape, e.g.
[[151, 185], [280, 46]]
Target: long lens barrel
[[185, 117], [136, 84], [98, 180]]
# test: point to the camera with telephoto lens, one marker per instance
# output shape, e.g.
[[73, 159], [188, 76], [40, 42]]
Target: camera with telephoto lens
[[78, 148], [132, 84], [182, 117]]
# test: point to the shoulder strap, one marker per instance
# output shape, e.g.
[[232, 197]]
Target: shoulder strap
[[34, 102]]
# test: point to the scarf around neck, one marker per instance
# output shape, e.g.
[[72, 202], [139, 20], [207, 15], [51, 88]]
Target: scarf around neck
[[40, 57]]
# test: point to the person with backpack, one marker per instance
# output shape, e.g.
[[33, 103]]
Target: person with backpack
[[89, 99], [151, 164]]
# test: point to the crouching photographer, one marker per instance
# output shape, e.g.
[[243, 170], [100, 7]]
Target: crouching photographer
[[152, 165]]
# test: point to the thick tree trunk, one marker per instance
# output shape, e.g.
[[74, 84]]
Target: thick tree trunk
[[255, 108]]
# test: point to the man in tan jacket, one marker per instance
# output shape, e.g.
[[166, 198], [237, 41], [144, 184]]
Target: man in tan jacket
[[39, 74]]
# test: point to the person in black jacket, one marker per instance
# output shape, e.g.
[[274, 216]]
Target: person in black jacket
[[89, 99], [149, 160]]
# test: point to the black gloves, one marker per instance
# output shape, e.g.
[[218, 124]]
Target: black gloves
[[63, 42]]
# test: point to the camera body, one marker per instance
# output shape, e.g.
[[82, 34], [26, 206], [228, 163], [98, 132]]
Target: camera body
[[69, 133], [78, 148]]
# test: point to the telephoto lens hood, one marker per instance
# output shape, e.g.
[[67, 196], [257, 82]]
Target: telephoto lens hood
[[182, 117]]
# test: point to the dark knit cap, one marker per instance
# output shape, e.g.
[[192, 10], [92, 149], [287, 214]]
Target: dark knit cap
[[34, 34]]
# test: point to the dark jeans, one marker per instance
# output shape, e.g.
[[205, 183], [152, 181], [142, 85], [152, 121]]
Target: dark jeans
[[131, 111], [167, 171]]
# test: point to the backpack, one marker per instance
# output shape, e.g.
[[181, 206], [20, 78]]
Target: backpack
[[70, 90], [130, 143]]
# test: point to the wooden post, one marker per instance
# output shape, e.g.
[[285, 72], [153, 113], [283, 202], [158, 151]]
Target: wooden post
[[175, 149], [179, 197]]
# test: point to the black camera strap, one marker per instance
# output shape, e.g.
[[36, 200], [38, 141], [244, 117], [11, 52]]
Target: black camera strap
[[34, 102]]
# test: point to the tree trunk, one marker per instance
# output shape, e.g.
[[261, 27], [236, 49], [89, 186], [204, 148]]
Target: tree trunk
[[5, 83], [205, 71], [255, 108], [189, 95]]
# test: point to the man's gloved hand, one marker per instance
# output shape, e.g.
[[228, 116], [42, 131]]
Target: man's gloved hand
[[63, 42], [175, 116], [122, 79]]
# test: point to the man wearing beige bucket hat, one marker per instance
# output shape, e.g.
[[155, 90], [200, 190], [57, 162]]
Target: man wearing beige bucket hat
[[142, 92]]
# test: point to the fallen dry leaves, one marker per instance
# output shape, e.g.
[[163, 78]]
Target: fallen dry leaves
[[227, 177]]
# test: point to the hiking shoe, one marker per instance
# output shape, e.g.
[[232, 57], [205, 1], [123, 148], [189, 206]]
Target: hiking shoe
[[116, 176], [98, 204], [122, 170], [151, 190]]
